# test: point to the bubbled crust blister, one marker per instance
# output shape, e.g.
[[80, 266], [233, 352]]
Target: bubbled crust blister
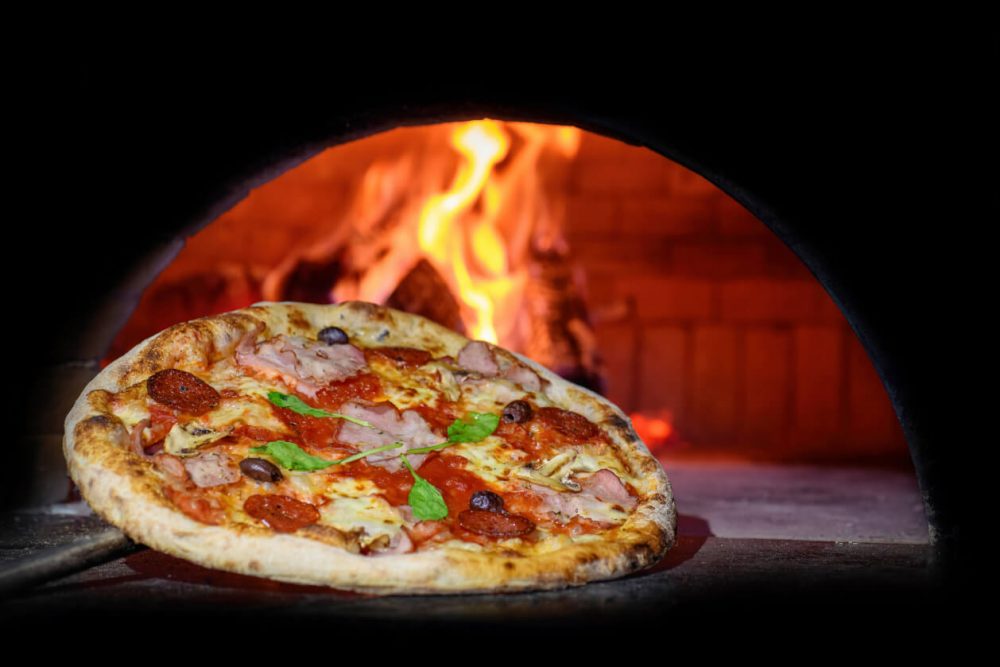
[[124, 491]]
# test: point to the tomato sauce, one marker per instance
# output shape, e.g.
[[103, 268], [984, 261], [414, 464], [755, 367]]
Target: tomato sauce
[[363, 385], [448, 473], [313, 431], [161, 420], [255, 433], [441, 417], [519, 436], [395, 486]]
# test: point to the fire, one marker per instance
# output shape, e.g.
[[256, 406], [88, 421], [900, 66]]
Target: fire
[[472, 203], [446, 219]]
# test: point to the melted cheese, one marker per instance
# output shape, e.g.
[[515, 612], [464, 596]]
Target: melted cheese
[[490, 395], [130, 413], [407, 388], [372, 514], [491, 459], [591, 508], [254, 411], [184, 440]]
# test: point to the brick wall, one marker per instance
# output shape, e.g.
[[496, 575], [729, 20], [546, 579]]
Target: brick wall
[[700, 310], [703, 313]]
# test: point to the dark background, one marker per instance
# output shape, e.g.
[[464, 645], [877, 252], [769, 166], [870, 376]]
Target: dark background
[[857, 158]]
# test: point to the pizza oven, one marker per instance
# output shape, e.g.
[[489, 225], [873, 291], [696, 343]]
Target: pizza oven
[[735, 287]]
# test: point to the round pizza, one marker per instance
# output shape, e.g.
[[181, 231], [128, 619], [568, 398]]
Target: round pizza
[[363, 448]]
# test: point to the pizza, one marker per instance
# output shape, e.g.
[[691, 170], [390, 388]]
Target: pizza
[[367, 449]]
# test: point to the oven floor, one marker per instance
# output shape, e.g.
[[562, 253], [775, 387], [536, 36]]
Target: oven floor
[[749, 536]]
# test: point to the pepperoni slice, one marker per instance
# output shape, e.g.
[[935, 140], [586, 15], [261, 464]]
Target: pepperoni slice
[[570, 424], [182, 391], [407, 357], [495, 524], [282, 513], [197, 506]]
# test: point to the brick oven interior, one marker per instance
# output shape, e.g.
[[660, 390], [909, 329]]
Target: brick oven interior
[[702, 315]]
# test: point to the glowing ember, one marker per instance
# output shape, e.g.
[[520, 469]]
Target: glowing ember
[[654, 430]]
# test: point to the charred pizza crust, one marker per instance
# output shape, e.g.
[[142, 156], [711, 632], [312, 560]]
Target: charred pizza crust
[[125, 491]]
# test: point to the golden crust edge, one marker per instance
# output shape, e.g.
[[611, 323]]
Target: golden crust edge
[[149, 519]]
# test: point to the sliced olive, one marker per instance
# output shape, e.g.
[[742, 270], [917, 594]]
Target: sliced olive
[[487, 501], [333, 336], [517, 412], [260, 470]]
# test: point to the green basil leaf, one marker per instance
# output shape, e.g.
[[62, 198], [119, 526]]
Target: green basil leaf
[[291, 456], [296, 404], [482, 425], [425, 499], [369, 452]]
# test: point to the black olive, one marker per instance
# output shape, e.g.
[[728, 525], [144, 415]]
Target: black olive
[[260, 470], [486, 500], [333, 336], [517, 412]]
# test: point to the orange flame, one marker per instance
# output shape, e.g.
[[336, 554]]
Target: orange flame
[[442, 235]]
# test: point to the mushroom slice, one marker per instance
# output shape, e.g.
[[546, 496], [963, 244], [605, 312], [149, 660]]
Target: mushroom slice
[[185, 439], [550, 467], [557, 472]]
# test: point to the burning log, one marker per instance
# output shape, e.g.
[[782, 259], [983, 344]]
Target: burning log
[[424, 292], [561, 336], [309, 280]]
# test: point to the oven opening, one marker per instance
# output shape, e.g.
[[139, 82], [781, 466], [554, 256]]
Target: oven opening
[[615, 267]]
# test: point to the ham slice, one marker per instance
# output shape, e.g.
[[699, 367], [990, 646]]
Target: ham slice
[[501, 393], [408, 427], [601, 487], [135, 438], [171, 466], [605, 485], [564, 505], [477, 356], [211, 469], [304, 364], [523, 376]]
